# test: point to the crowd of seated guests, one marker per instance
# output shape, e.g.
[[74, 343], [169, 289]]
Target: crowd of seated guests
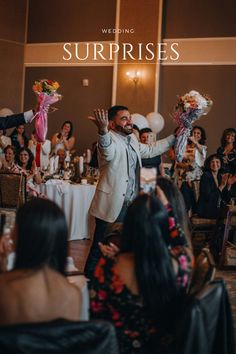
[[142, 289], [18, 154], [214, 192]]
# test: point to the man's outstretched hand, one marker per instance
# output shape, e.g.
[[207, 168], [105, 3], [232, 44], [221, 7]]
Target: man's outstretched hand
[[100, 119]]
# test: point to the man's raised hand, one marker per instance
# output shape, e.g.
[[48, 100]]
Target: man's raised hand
[[100, 119]]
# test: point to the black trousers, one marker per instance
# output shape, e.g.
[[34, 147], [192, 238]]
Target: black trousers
[[99, 235]]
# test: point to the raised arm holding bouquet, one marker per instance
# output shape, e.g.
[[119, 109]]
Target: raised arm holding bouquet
[[46, 90], [189, 108]]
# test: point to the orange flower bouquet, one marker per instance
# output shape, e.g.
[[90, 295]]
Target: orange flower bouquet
[[46, 91]]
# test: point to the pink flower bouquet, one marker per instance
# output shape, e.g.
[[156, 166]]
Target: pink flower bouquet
[[46, 90], [189, 108]]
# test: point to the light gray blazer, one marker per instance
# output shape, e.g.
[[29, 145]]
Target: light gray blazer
[[113, 163]]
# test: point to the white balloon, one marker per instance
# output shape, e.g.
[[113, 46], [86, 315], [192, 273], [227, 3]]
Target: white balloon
[[139, 120], [5, 112], [156, 122]]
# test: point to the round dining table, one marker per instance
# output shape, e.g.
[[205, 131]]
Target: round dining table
[[74, 200]]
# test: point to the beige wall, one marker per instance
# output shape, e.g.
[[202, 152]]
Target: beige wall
[[206, 64], [12, 38], [211, 69], [70, 20], [218, 81], [143, 18], [202, 18]]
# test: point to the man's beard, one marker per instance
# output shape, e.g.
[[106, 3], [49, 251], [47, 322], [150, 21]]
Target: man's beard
[[126, 130]]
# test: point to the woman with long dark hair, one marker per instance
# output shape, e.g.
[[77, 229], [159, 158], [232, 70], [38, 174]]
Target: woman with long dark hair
[[18, 137], [36, 289], [141, 292], [65, 139]]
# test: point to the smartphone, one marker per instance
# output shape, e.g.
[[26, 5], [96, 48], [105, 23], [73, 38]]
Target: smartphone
[[148, 177], [151, 138]]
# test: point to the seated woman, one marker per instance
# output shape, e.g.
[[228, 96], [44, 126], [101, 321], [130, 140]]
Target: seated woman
[[40, 151], [8, 163], [64, 139], [37, 290], [214, 190], [4, 141], [227, 150], [18, 137], [26, 164], [142, 291]]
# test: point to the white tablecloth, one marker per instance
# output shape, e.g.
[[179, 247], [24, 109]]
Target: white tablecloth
[[75, 200]]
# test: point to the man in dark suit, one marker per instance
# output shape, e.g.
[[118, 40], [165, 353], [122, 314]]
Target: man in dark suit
[[16, 119]]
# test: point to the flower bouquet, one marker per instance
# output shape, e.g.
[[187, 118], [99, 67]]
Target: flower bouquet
[[189, 108], [46, 90]]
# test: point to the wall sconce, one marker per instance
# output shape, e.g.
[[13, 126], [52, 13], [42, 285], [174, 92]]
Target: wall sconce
[[134, 76]]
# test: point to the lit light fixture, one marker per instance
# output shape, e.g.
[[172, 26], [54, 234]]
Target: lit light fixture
[[134, 76]]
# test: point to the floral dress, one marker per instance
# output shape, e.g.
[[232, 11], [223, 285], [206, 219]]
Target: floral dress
[[111, 300]]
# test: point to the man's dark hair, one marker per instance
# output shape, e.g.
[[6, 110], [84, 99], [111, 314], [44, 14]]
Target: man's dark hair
[[145, 130], [112, 112]]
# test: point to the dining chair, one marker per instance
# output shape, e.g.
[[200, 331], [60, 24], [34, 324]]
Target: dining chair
[[206, 326], [12, 190], [59, 336]]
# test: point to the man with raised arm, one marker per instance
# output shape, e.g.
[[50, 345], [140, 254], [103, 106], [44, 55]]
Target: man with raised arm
[[16, 119], [119, 156]]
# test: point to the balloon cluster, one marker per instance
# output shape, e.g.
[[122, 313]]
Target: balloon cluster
[[153, 120], [5, 112]]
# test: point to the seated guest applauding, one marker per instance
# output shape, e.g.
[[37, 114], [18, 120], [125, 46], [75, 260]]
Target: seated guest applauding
[[64, 139], [227, 150], [141, 292], [36, 290], [214, 191]]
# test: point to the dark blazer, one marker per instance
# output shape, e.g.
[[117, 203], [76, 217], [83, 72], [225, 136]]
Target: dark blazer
[[211, 198], [11, 121]]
